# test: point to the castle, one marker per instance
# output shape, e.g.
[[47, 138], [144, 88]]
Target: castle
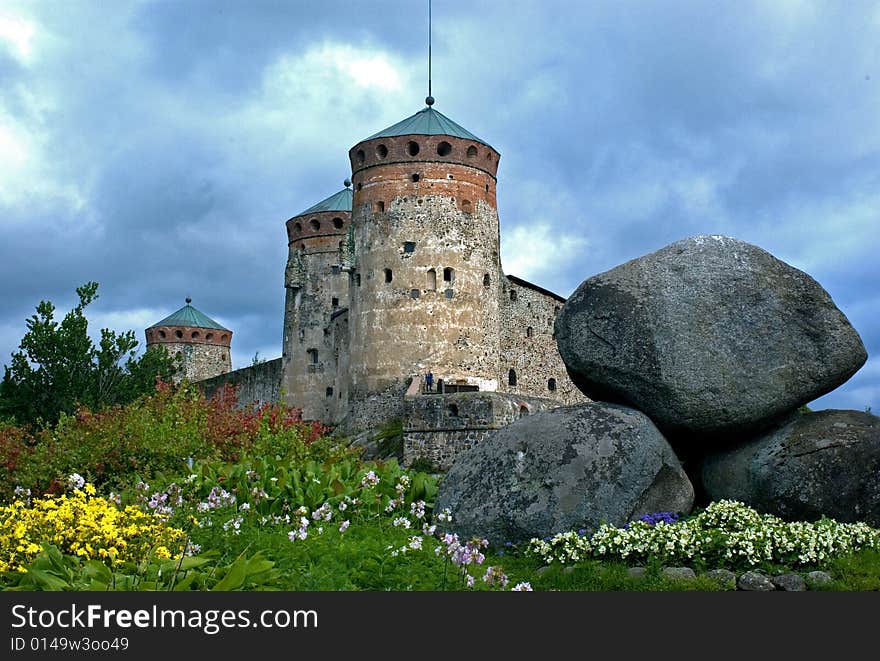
[[398, 275]]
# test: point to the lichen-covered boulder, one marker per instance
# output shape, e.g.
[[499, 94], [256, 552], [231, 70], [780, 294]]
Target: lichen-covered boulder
[[822, 463], [711, 337], [566, 469]]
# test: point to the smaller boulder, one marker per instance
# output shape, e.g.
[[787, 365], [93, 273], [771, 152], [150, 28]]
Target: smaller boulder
[[723, 577], [818, 579], [790, 582], [565, 469], [678, 573], [753, 581], [824, 463]]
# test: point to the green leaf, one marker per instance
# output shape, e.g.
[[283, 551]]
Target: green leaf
[[234, 577], [47, 581]]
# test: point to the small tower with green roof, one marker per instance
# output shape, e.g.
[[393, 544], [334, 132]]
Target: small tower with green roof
[[202, 344], [317, 293]]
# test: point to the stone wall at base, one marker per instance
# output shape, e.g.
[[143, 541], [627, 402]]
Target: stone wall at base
[[440, 427], [259, 383]]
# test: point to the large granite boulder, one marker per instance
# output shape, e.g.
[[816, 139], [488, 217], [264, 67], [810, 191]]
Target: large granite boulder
[[711, 337], [564, 469], [822, 463]]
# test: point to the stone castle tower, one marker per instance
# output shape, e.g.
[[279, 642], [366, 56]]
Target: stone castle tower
[[401, 276], [201, 342], [316, 283]]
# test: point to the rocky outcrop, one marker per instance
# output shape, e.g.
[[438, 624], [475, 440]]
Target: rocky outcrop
[[822, 463], [565, 469], [711, 337]]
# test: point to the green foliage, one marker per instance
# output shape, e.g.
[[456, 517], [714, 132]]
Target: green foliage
[[390, 439], [58, 368]]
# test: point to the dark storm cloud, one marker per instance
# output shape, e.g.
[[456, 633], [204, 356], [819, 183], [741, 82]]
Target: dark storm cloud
[[169, 141]]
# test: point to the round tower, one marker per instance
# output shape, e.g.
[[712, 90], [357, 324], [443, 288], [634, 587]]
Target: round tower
[[426, 276], [202, 344], [316, 282]]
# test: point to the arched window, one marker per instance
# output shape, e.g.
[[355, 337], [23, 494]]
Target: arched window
[[389, 276], [297, 227], [529, 331], [448, 274], [466, 206], [195, 335], [162, 334], [487, 280], [337, 223], [511, 377], [444, 149], [359, 156], [523, 410], [412, 148], [329, 391], [178, 333], [551, 385], [432, 279], [381, 151], [314, 224], [472, 152], [209, 336], [513, 294]]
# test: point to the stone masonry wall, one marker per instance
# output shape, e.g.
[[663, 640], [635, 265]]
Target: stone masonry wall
[[258, 384], [529, 348], [200, 361], [440, 427]]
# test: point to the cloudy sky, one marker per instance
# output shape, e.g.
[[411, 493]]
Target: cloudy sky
[[157, 147]]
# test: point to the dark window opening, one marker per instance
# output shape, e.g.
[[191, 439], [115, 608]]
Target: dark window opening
[[209, 336], [471, 152], [388, 275], [359, 156], [360, 186], [334, 302], [162, 334], [432, 280], [453, 410], [529, 331], [224, 338], [412, 148], [511, 377], [297, 227], [337, 223], [329, 391], [357, 279], [551, 385], [409, 246], [448, 274], [512, 294], [302, 246], [414, 293], [487, 280], [382, 151], [523, 410], [313, 356], [178, 333], [380, 207], [195, 334], [466, 206], [416, 177], [314, 224], [444, 149], [556, 309], [487, 188]]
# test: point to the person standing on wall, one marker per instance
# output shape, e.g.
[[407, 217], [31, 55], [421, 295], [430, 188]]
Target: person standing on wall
[[429, 382]]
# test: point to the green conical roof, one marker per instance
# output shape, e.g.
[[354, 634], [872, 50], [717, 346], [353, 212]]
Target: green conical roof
[[189, 316], [428, 122], [340, 201]]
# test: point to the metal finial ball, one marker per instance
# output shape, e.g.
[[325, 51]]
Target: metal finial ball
[[347, 183], [430, 100], [188, 300]]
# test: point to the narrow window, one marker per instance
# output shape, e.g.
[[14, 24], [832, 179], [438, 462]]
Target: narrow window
[[511, 377], [360, 186], [551, 385], [512, 294], [313, 356], [444, 149], [329, 391], [414, 293], [432, 280], [529, 331], [357, 279], [448, 274], [453, 410], [388, 275], [487, 188], [487, 280], [409, 246], [335, 302]]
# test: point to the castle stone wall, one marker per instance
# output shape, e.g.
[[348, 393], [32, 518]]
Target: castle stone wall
[[440, 427], [529, 348], [260, 383]]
